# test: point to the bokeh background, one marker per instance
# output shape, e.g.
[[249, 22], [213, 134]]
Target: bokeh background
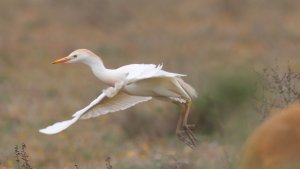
[[219, 44]]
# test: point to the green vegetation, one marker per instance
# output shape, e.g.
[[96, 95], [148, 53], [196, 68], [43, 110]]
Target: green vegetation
[[225, 97]]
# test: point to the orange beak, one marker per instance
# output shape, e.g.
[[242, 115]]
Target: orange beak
[[62, 60]]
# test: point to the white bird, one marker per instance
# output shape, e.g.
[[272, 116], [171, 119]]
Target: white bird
[[130, 85]]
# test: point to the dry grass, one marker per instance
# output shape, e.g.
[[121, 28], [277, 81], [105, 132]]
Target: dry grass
[[277, 89], [199, 38], [22, 158]]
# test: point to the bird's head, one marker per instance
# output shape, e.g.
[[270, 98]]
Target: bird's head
[[77, 56]]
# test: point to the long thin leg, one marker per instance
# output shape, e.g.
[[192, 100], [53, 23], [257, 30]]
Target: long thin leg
[[186, 126], [179, 123], [183, 131], [186, 114], [182, 134]]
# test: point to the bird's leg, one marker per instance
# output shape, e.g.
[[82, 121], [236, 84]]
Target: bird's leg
[[181, 133], [179, 123], [186, 115], [187, 127], [183, 130]]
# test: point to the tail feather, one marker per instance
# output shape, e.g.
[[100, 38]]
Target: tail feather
[[188, 88]]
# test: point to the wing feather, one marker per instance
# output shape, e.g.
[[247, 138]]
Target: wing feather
[[60, 126], [144, 71], [119, 102], [100, 106]]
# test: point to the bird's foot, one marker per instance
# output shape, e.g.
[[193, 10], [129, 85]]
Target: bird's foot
[[186, 135]]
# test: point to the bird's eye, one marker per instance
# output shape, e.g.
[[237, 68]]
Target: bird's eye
[[74, 56]]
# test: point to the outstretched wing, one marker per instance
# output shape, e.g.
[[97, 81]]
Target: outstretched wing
[[100, 106], [137, 72], [60, 126], [121, 101]]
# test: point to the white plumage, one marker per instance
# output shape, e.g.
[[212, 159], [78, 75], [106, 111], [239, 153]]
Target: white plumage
[[129, 85], [119, 102]]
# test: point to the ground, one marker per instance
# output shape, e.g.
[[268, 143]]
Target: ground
[[207, 40]]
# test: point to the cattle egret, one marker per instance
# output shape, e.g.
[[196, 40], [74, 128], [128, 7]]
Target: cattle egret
[[130, 85]]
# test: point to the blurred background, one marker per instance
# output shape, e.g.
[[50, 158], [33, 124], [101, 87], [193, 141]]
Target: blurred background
[[219, 44]]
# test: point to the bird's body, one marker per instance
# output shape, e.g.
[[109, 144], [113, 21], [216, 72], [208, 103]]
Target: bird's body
[[142, 79], [129, 85]]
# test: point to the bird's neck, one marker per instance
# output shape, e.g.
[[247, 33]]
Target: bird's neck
[[108, 76]]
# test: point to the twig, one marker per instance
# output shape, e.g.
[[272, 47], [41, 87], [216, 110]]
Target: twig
[[107, 162], [25, 158], [276, 89], [17, 153], [22, 159]]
